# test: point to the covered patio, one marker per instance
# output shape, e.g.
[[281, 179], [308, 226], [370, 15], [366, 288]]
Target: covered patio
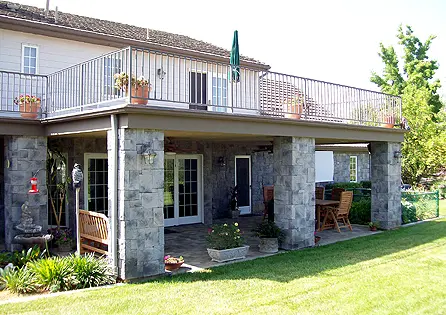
[[189, 241]]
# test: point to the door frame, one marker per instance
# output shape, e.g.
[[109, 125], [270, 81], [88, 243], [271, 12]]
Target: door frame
[[245, 209], [88, 156], [200, 196]]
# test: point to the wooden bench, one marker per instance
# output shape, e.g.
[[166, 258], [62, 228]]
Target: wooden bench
[[93, 232]]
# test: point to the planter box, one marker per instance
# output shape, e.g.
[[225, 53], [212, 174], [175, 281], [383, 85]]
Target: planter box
[[228, 254], [268, 245]]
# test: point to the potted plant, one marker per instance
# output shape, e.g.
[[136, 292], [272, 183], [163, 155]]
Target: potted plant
[[294, 107], [225, 243], [373, 226], [233, 207], [140, 87], [29, 105], [63, 239], [270, 235], [173, 263]]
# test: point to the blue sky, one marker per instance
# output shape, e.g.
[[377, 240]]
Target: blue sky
[[334, 41]]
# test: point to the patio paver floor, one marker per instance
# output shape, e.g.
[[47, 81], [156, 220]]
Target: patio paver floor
[[189, 241]]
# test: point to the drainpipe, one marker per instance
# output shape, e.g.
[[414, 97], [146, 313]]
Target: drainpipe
[[113, 158]]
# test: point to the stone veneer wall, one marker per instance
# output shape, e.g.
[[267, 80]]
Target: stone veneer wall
[[140, 203], [294, 182], [218, 180], [24, 156], [75, 149], [386, 181], [342, 166]]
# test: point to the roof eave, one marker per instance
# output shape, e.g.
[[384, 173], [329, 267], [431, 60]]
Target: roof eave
[[59, 31]]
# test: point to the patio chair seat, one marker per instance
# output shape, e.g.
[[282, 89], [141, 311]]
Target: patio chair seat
[[339, 214]]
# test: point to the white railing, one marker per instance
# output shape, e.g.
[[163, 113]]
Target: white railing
[[197, 84]]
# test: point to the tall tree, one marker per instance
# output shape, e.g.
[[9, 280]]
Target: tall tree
[[417, 70], [424, 147]]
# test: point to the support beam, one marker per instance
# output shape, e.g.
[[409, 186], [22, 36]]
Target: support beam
[[294, 183], [140, 204], [386, 183]]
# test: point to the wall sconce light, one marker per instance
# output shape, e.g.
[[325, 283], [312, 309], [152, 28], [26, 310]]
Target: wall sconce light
[[161, 73], [397, 154], [34, 189], [149, 156], [221, 161]]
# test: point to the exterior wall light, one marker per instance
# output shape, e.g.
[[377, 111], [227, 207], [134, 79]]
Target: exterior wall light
[[221, 161], [397, 154], [149, 156]]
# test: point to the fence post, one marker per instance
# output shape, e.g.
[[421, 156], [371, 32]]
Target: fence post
[[437, 195]]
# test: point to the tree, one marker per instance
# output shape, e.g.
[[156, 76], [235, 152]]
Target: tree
[[418, 69], [424, 146]]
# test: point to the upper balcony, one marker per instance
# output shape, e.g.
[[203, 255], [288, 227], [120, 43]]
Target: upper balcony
[[197, 85]]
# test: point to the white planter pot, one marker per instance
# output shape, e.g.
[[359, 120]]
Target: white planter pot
[[228, 254], [269, 245]]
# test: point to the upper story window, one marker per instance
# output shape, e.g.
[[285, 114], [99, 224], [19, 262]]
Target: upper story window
[[30, 59], [111, 67], [219, 93], [353, 168]]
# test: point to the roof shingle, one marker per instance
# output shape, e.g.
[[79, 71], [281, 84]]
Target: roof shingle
[[99, 26]]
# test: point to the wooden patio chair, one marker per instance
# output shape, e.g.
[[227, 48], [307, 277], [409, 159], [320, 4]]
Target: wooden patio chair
[[268, 195], [339, 213], [320, 193], [336, 193]]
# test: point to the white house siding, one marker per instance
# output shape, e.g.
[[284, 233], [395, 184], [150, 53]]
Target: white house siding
[[54, 53]]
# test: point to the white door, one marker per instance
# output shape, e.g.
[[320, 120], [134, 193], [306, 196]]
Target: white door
[[182, 189], [243, 182]]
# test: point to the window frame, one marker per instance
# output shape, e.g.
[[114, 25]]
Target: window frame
[[87, 157], [23, 58], [350, 169]]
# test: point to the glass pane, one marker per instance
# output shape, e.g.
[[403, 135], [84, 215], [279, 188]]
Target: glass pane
[[242, 173], [33, 62], [26, 62], [33, 52], [26, 51]]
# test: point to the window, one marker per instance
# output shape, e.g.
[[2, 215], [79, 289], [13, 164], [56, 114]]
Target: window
[[111, 67], [96, 182], [353, 168], [219, 94], [30, 59]]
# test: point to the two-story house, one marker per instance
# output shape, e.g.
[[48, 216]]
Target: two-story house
[[174, 159]]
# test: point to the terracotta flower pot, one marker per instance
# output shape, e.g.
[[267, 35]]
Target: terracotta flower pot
[[29, 109], [294, 111], [140, 91], [390, 121], [173, 266]]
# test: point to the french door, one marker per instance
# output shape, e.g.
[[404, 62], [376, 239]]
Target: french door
[[182, 189]]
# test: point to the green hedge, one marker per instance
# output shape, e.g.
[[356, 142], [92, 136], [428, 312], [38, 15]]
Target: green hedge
[[346, 185], [360, 212]]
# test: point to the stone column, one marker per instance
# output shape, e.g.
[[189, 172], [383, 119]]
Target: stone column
[[294, 183], [386, 182], [24, 156], [140, 203]]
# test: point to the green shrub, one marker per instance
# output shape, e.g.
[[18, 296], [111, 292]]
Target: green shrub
[[360, 212], [5, 258], [408, 212], [345, 185], [90, 271], [20, 259], [366, 184], [18, 280], [418, 206], [54, 274]]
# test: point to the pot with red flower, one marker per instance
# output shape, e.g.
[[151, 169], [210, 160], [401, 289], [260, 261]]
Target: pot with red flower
[[29, 105], [173, 263]]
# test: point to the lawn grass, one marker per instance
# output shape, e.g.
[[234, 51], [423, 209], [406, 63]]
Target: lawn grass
[[395, 272], [443, 207]]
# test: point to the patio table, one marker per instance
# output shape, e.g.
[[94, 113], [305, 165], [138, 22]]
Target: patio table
[[320, 204]]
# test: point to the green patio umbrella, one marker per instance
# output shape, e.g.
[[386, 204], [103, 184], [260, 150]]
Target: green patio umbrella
[[235, 59]]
